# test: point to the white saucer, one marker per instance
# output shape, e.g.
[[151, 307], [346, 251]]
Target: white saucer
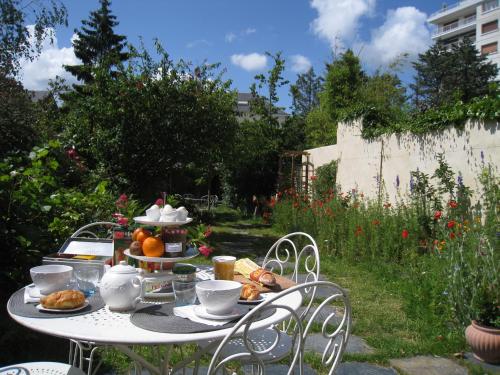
[[41, 308], [147, 221], [261, 298], [236, 312]]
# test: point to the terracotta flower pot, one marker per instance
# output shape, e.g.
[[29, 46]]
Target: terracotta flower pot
[[484, 341]]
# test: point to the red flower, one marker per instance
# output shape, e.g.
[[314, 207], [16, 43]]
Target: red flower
[[453, 204], [296, 204], [376, 222], [450, 224], [159, 202], [452, 235], [314, 178], [405, 234], [387, 205], [359, 231], [272, 202], [123, 198], [437, 215], [205, 250], [123, 221], [71, 153]]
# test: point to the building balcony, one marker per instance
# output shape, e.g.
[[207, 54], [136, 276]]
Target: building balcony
[[453, 10], [455, 28]]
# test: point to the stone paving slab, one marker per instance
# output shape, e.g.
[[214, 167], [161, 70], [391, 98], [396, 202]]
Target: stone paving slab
[[428, 365], [359, 368], [356, 345], [493, 368]]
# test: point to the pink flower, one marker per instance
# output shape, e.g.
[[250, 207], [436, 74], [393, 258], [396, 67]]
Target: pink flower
[[205, 250], [159, 202], [122, 221], [123, 198], [117, 215]]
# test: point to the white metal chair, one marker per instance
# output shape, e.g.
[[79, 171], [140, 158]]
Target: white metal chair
[[295, 256], [93, 230], [82, 352], [41, 368], [336, 328]]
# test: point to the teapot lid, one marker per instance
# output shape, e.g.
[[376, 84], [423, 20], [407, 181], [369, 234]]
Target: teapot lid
[[122, 267]]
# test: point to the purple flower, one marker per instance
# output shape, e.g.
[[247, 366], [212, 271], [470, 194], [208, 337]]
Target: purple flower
[[482, 156], [397, 181], [460, 180], [412, 184]]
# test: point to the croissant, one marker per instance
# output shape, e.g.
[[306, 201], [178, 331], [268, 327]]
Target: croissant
[[64, 299], [264, 277], [249, 292]]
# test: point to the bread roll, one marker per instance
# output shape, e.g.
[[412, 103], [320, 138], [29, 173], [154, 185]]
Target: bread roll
[[264, 277], [249, 292], [64, 299]]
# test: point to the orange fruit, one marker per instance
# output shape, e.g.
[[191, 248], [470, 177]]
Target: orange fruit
[[153, 247], [140, 234]]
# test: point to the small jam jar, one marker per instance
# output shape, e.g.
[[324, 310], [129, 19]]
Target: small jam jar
[[175, 242], [184, 272]]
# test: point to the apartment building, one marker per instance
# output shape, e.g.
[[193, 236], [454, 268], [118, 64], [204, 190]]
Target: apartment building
[[477, 20]]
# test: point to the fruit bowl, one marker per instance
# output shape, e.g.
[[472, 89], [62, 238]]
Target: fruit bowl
[[142, 258]]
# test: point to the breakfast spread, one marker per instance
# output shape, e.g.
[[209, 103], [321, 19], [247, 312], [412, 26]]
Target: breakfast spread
[[252, 271], [64, 300]]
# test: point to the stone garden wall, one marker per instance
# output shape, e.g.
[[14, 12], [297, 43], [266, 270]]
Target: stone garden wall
[[361, 162]]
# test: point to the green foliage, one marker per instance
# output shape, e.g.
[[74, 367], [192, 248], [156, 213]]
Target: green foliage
[[15, 41], [445, 76], [343, 79], [17, 116], [97, 44], [41, 205], [325, 180], [320, 129], [305, 92], [153, 123]]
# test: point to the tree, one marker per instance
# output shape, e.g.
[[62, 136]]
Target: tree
[[343, 79], [97, 43], [445, 75], [305, 92], [266, 106], [16, 40]]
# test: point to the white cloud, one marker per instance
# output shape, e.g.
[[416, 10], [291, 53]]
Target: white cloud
[[300, 64], [252, 61], [198, 43], [36, 74], [230, 37], [404, 31], [249, 30], [338, 20]]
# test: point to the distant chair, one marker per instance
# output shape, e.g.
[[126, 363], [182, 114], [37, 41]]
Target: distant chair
[[41, 368], [332, 313]]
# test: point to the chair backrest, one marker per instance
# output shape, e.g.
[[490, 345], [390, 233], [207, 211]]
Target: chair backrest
[[99, 229], [331, 315], [295, 256]]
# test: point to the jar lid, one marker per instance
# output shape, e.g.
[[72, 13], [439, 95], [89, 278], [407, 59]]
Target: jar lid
[[183, 269]]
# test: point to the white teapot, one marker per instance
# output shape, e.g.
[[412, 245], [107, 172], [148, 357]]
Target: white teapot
[[121, 287]]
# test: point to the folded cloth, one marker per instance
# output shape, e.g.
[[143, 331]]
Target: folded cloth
[[203, 275], [187, 312], [31, 294]]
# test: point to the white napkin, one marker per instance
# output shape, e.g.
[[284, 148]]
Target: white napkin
[[31, 294], [187, 312], [203, 275]]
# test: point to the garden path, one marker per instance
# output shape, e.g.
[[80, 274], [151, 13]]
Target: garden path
[[247, 239]]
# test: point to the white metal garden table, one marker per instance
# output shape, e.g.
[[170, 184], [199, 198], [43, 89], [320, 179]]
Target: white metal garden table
[[104, 327]]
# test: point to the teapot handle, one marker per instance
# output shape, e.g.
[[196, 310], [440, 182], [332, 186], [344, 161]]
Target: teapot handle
[[137, 283]]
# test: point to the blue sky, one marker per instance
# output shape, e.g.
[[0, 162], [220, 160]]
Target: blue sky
[[237, 33]]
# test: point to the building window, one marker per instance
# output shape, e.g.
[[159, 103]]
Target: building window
[[490, 26], [490, 48], [490, 5]]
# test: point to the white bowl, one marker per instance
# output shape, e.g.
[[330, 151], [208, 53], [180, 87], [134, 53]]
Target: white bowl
[[218, 296], [51, 277]]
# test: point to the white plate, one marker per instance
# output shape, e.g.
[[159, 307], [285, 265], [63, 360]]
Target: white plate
[[159, 259], [261, 298], [236, 312], [147, 221], [41, 308]]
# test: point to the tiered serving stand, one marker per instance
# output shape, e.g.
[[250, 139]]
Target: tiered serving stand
[[166, 264]]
